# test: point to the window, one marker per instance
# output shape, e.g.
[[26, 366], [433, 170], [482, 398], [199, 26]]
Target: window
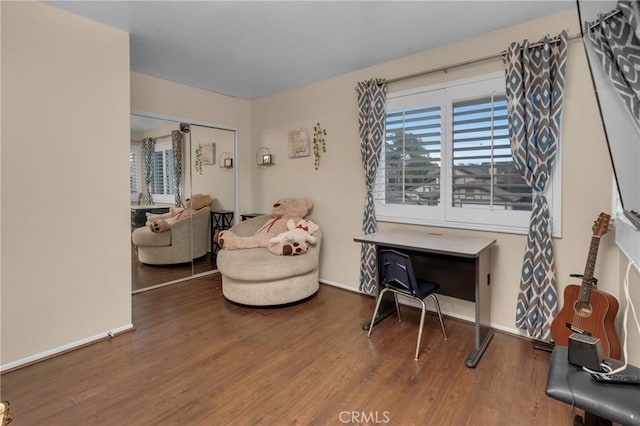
[[483, 172], [163, 183], [412, 156], [447, 160], [135, 171]]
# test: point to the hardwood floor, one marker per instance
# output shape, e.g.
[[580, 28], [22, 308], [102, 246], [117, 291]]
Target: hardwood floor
[[197, 359], [144, 276]]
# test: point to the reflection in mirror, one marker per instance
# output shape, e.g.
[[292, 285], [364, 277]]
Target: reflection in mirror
[[611, 38], [157, 174], [153, 188], [620, 126], [209, 176]]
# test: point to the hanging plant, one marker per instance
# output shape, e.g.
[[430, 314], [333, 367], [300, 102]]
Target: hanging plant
[[319, 143], [198, 164]]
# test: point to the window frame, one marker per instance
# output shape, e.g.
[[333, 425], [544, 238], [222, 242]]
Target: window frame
[[445, 215]]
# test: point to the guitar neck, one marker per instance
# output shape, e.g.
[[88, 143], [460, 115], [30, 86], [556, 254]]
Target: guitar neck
[[587, 278]]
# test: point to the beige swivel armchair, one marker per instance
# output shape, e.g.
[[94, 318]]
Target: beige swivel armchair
[[257, 277]]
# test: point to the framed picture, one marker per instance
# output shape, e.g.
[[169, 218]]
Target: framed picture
[[209, 153], [299, 144]]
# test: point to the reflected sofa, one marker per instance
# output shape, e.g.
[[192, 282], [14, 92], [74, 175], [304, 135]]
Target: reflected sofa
[[187, 239]]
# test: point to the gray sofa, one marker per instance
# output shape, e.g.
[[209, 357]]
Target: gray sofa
[[177, 244], [259, 278]]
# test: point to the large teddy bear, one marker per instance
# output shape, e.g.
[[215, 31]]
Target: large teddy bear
[[162, 222], [282, 211]]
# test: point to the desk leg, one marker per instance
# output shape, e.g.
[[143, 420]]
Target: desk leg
[[483, 332], [476, 353], [387, 307]]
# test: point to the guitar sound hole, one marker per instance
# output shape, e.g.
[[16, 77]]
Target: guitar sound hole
[[582, 309]]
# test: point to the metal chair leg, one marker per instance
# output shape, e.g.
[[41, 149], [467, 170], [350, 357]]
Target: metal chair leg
[[435, 299], [395, 296], [424, 310], [375, 311]]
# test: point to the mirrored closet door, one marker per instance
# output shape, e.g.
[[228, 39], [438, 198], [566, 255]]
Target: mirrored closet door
[[170, 161]]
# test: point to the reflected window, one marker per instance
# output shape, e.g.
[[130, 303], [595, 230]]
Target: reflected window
[[163, 182], [135, 171]]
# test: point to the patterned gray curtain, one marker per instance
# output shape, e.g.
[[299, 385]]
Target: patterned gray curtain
[[615, 38], [534, 85], [176, 143], [148, 149], [372, 96]]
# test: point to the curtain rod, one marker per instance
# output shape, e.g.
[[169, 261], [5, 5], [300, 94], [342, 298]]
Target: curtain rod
[[604, 18], [469, 62], [157, 137], [164, 136]]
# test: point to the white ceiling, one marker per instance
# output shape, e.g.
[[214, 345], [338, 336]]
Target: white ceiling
[[251, 49]]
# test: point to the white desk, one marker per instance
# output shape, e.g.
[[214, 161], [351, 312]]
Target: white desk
[[460, 265]]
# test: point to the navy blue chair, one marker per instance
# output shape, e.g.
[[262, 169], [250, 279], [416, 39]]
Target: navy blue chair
[[396, 275]]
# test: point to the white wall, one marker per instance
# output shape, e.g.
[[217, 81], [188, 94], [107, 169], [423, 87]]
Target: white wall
[[338, 186], [66, 274], [1, 221]]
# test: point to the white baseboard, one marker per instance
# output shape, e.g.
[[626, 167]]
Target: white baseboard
[[342, 286], [61, 349]]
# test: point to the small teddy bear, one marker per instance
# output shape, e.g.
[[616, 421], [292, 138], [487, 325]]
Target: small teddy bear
[[300, 232]]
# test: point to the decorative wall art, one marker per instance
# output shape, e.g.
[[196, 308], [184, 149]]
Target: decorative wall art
[[264, 157], [198, 162], [319, 143], [225, 161], [299, 144], [205, 154], [209, 153]]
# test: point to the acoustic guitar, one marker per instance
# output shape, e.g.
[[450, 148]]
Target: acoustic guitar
[[586, 309]]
